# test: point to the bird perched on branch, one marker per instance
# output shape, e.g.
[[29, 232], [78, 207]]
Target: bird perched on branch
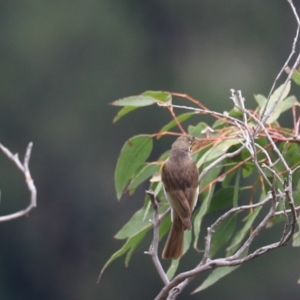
[[180, 180]]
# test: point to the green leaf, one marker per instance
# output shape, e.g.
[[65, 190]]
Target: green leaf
[[206, 196], [223, 198], [296, 77], [222, 234], [296, 236], [187, 240], [274, 97], [236, 113], [240, 235], [172, 268], [181, 118], [290, 151], [133, 102], [137, 101], [123, 111], [247, 169], [236, 188], [137, 223], [133, 154], [261, 100], [145, 99], [147, 171], [165, 225], [281, 107], [221, 148], [197, 130], [215, 276], [130, 243], [288, 103], [159, 96]]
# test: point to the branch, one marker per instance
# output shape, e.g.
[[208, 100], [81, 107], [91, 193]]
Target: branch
[[24, 168], [154, 247]]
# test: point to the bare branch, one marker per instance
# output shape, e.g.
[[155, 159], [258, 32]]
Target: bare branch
[[154, 247], [28, 179]]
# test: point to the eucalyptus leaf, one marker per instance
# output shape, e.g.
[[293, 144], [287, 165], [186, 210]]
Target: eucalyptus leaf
[[222, 234], [197, 130], [207, 189], [282, 92], [181, 118], [214, 276], [159, 96], [240, 235], [172, 268], [123, 111], [133, 154], [130, 243], [137, 223], [137, 101], [223, 198], [296, 77], [296, 236], [146, 172]]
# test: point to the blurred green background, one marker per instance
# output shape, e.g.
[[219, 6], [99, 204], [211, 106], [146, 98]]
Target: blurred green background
[[61, 63]]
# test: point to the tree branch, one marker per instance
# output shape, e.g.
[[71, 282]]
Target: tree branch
[[24, 168]]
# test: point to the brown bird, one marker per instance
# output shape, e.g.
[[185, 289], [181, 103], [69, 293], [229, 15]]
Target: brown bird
[[180, 179]]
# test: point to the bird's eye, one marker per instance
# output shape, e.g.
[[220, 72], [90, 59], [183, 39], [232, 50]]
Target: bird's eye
[[191, 140]]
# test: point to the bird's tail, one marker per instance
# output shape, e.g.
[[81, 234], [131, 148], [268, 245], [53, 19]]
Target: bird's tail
[[174, 245]]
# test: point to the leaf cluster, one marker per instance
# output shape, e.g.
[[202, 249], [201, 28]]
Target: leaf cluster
[[229, 173]]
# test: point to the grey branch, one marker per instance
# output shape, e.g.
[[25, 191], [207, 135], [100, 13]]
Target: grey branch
[[24, 168], [154, 247]]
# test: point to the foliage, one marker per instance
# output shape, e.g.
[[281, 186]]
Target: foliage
[[233, 174]]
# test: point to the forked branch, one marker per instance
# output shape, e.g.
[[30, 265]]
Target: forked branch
[[24, 168]]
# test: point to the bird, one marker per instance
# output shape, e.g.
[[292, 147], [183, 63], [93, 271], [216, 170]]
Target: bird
[[179, 176]]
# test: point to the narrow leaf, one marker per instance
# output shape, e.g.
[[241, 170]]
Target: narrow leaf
[[181, 118], [236, 188], [240, 235], [281, 107], [296, 77], [223, 198], [146, 172], [260, 99], [159, 96], [221, 148], [132, 242], [124, 111], [296, 236], [137, 223], [214, 276], [206, 196], [133, 154], [172, 269], [222, 234], [274, 97], [134, 101], [197, 130]]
